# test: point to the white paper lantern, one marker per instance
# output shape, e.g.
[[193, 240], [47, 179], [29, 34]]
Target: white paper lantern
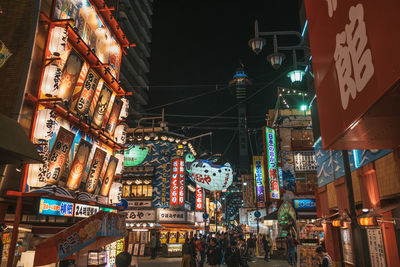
[[58, 40], [46, 124], [120, 133], [51, 80], [115, 193], [120, 165], [125, 108], [210, 176]]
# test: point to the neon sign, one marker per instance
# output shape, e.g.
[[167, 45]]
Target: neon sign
[[199, 198], [174, 182], [270, 145], [258, 165]]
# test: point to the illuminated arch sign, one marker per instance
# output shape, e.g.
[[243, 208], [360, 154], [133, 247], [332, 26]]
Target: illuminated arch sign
[[271, 162]]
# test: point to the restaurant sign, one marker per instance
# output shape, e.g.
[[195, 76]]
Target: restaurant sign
[[258, 169], [140, 215], [271, 157], [85, 211], [168, 215], [56, 207]]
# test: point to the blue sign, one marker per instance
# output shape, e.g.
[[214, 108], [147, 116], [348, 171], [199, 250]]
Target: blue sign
[[257, 214], [304, 204], [56, 207], [205, 216], [123, 204]]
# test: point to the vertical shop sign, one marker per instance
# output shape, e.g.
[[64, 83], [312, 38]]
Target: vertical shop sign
[[101, 106], [181, 182], [347, 246], [199, 198], [113, 119], [164, 181], [270, 154], [174, 182], [108, 177], [376, 247], [87, 93], [59, 155], [70, 75], [95, 169], [258, 166], [79, 165]]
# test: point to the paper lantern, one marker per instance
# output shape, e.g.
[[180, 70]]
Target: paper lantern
[[337, 223], [58, 40], [51, 80], [120, 133], [120, 165], [211, 176], [108, 177], [115, 193], [46, 124], [125, 108]]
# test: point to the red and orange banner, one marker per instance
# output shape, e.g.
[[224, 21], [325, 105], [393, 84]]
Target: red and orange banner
[[181, 182], [174, 182], [113, 119], [79, 165], [108, 177], [95, 170]]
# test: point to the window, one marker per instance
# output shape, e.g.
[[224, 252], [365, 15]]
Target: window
[[304, 161], [138, 189]]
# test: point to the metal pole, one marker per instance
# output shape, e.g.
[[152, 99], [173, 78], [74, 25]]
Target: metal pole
[[359, 246]]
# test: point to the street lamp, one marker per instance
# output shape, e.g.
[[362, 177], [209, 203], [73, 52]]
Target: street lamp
[[296, 75]]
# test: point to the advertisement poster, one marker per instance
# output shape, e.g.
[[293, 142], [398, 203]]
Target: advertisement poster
[[87, 93], [101, 106], [56, 207], [70, 75], [376, 247], [95, 170], [109, 176], [114, 115], [79, 165], [59, 155], [347, 245]]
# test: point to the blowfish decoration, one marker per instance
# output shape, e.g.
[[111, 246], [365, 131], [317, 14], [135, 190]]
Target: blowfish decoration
[[211, 176]]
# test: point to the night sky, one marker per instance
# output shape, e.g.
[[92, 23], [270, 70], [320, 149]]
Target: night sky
[[196, 48]]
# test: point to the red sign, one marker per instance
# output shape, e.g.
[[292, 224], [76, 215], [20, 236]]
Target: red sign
[[355, 51], [174, 182], [199, 198], [181, 182]]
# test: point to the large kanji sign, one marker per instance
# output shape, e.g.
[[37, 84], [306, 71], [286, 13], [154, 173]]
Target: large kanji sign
[[355, 51]]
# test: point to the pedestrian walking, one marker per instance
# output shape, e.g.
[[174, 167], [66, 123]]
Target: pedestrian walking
[[123, 259], [200, 252], [267, 244], [187, 254], [291, 243], [251, 245], [214, 255], [325, 259], [244, 254], [232, 256], [153, 246]]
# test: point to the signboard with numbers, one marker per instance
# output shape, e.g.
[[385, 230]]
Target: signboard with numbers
[[167, 215], [84, 211], [354, 54], [56, 207], [376, 247], [140, 215], [271, 162]]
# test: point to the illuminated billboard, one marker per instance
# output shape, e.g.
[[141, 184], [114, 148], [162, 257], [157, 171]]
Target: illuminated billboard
[[259, 179], [56, 207], [271, 162]]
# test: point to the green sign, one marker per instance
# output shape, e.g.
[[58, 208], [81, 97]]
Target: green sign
[[135, 155], [108, 209], [189, 158], [270, 151]]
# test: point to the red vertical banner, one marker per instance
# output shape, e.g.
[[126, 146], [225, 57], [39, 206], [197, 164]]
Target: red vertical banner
[[174, 182], [199, 198], [181, 182]]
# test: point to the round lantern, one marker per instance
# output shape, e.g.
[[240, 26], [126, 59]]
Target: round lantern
[[124, 109], [120, 133], [58, 40], [211, 176], [120, 165], [46, 124], [51, 80]]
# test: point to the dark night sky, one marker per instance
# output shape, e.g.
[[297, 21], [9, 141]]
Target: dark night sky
[[202, 43]]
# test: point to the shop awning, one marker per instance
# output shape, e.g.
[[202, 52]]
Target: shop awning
[[91, 233], [15, 146]]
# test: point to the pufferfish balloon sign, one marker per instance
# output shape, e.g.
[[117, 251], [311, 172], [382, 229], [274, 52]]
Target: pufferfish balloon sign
[[211, 176]]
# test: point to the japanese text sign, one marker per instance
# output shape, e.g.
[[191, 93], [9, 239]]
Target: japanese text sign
[[181, 182], [167, 215], [140, 215], [199, 198], [354, 53], [85, 211], [271, 158], [56, 207], [175, 182], [259, 179]]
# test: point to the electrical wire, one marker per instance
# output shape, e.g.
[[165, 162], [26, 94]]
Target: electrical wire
[[200, 116], [230, 143]]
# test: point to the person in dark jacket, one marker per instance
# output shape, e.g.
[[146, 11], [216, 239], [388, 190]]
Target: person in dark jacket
[[244, 254], [214, 254], [123, 259], [187, 253], [232, 256]]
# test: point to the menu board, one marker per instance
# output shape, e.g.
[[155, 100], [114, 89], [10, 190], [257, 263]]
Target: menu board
[[347, 245], [376, 247]]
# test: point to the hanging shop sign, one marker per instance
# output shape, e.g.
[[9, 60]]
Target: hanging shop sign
[[354, 62], [271, 158], [181, 182], [101, 107], [259, 179], [199, 198], [79, 165], [70, 75], [113, 119], [347, 246], [211, 176], [56, 207], [304, 204], [109, 176], [168, 215], [252, 218], [84, 211], [59, 155], [248, 191], [115, 193], [140, 215], [125, 109], [95, 170], [135, 155], [87, 93], [46, 125], [174, 182], [164, 185], [139, 203], [120, 133], [376, 247], [120, 165]]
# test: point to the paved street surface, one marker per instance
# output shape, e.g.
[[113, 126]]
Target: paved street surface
[[176, 262]]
